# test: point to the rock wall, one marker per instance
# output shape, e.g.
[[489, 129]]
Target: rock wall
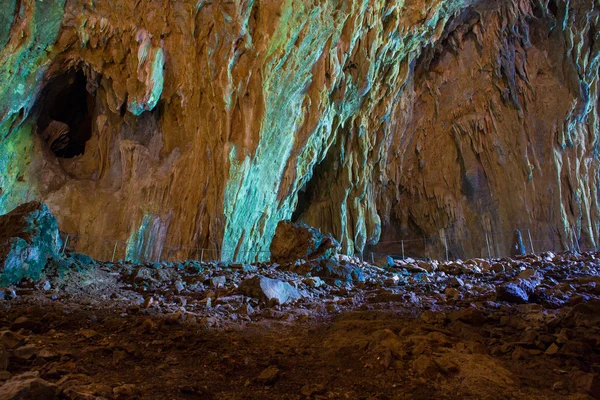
[[203, 124]]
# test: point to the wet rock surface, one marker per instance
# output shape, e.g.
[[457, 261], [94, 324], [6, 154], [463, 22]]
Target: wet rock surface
[[415, 330]]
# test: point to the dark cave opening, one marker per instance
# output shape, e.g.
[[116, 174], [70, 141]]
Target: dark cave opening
[[304, 198], [65, 112], [309, 193]]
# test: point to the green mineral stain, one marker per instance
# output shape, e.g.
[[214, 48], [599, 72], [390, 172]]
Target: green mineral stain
[[7, 16], [137, 242], [21, 69], [15, 155], [251, 206], [21, 72], [156, 82], [142, 245]]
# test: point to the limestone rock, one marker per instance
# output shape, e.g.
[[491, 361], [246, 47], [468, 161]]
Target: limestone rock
[[512, 293], [298, 241], [426, 367], [269, 375], [202, 127], [28, 238], [11, 340], [268, 289], [520, 289]]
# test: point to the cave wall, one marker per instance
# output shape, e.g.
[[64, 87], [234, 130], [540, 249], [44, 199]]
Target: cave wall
[[393, 118], [501, 134]]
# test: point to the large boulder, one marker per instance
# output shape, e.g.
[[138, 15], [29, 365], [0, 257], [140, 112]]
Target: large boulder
[[28, 238], [297, 241], [521, 289]]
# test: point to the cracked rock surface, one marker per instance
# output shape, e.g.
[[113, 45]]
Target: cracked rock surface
[[203, 124]]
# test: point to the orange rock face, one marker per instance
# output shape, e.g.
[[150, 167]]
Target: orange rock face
[[201, 125]]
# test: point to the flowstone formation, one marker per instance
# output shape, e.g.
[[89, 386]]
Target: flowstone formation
[[180, 126]]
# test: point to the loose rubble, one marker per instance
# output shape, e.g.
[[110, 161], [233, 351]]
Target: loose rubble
[[526, 327]]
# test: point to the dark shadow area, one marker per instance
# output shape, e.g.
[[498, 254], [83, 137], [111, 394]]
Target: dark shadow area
[[65, 111], [309, 192]]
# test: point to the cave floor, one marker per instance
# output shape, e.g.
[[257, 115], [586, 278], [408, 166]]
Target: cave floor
[[445, 334]]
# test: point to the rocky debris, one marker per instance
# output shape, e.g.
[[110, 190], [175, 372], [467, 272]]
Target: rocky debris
[[512, 293], [337, 270], [268, 289], [519, 290], [445, 326], [425, 366], [297, 241], [28, 238], [26, 352], [23, 387], [11, 340], [588, 383]]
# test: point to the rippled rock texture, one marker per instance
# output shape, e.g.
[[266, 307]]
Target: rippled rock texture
[[202, 124]]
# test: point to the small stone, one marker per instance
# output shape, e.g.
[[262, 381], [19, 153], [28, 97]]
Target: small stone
[[497, 268], [447, 365], [26, 352], [33, 388], [148, 326], [218, 281], [179, 287], [552, 349], [520, 354], [456, 282], [512, 293], [314, 282], [148, 302], [246, 309], [586, 383], [425, 366], [27, 324], [310, 390], [88, 333], [469, 316], [269, 375], [124, 391], [268, 290], [47, 354]]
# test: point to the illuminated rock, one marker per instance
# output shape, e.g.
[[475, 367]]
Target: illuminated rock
[[267, 289], [298, 241], [202, 126], [28, 238]]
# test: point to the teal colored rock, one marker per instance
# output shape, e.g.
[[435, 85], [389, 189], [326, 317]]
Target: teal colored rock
[[267, 289], [331, 270], [345, 272], [29, 237]]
